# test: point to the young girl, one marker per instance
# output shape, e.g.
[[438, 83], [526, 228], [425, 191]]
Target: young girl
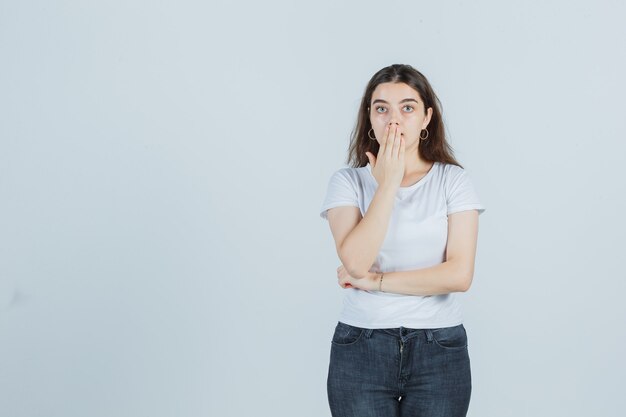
[[404, 219]]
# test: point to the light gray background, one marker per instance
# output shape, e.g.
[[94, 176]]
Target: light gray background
[[162, 165]]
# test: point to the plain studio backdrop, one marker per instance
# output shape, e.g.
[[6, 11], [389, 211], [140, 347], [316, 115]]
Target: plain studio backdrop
[[162, 166]]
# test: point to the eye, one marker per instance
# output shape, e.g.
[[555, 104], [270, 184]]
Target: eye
[[379, 107], [411, 107]]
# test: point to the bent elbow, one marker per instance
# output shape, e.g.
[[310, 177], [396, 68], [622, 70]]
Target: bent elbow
[[356, 272], [465, 286], [465, 282], [353, 266]]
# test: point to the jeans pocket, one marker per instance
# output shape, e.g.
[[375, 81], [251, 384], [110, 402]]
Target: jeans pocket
[[454, 337], [346, 334]]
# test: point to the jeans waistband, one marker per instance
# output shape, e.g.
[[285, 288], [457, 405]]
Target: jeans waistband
[[403, 333]]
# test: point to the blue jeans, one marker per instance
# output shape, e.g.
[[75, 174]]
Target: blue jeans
[[399, 372]]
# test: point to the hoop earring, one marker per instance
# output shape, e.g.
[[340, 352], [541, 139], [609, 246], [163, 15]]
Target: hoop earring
[[424, 138], [368, 135]]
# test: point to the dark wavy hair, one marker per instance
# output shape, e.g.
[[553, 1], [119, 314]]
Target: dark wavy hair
[[435, 148]]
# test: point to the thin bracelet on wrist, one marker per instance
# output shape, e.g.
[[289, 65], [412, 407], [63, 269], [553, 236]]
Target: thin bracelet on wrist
[[380, 283]]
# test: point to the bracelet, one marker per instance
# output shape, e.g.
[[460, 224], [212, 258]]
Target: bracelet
[[380, 284]]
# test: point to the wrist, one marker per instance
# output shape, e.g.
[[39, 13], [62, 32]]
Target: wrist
[[379, 281], [388, 189]]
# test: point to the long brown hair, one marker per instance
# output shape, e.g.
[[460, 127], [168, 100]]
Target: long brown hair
[[435, 148]]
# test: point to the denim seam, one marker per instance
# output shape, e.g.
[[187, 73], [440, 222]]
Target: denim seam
[[351, 343]]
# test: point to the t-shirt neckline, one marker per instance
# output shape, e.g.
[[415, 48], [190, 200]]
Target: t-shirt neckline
[[411, 187]]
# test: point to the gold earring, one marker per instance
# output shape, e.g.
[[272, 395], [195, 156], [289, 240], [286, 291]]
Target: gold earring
[[368, 135], [424, 138]]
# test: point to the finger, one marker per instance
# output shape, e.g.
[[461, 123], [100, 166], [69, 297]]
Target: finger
[[383, 145], [396, 145], [402, 148], [390, 141]]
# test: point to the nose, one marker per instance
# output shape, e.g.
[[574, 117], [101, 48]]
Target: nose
[[393, 123], [394, 117]]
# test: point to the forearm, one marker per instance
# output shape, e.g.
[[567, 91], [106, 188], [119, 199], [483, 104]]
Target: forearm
[[361, 246], [443, 278]]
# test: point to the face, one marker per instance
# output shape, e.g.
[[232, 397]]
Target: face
[[400, 105]]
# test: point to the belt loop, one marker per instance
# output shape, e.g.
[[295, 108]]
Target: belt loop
[[368, 332], [429, 335]]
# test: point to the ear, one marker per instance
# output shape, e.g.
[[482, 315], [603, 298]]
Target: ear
[[429, 115]]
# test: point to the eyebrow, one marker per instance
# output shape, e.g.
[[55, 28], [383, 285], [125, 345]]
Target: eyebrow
[[402, 101]]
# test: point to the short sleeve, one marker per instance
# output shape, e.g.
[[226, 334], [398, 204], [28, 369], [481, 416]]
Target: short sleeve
[[460, 192], [340, 192]]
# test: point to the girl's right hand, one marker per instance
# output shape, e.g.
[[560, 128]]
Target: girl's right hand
[[388, 166]]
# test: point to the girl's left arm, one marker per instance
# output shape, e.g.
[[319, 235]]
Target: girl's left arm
[[455, 274]]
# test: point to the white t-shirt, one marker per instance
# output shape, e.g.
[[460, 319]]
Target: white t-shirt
[[416, 238]]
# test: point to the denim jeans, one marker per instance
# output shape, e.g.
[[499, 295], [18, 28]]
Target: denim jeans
[[399, 372]]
